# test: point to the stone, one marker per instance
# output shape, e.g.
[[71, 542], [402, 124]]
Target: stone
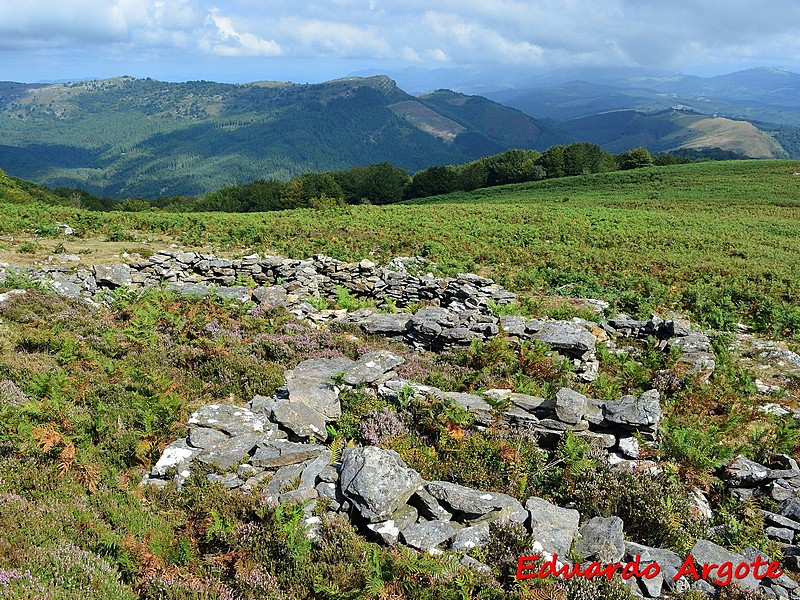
[[428, 506], [475, 503], [636, 412], [271, 297], [283, 480], [629, 446], [387, 324], [553, 527], [388, 531], [602, 540], [235, 293], [427, 535], [371, 366], [229, 452], [278, 453], [202, 437], [174, 455], [468, 538], [189, 289], [376, 481], [112, 276], [310, 382], [651, 587], [706, 552], [744, 472], [567, 338], [570, 406], [790, 509], [781, 534], [230, 419], [302, 420], [312, 471]]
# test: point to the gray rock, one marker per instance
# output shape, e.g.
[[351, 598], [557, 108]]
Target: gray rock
[[790, 509], [177, 454], [644, 411], [428, 506], [602, 540], [189, 289], [228, 480], [567, 338], [428, 534], [236, 293], [371, 366], [230, 419], [513, 325], [475, 503], [283, 480], [651, 587], [302, 420], [745, 472], [553, 527], [390, 325], [313, 469], [112, 276], [629, 446], [705, 552], [229, 452], [202, 437], [471, 537], [388, 531], [570, 405], [377, 481], [474, 404], [278, 453], [271, 297], [781, 534], [310, 383]]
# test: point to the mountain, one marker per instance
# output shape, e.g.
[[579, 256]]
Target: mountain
[[127, 137]]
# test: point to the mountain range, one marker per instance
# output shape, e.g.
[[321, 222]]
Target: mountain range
[[127, 137]]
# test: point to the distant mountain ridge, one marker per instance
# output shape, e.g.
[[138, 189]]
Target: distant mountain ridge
[[140, 137]]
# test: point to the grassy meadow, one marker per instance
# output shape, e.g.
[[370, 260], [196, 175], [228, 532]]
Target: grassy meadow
[[715, 240]]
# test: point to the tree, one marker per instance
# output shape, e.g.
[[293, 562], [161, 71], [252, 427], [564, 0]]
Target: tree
[[433, 181], [635, 158]]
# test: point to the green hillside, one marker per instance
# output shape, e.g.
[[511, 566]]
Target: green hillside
[[129, 137], [717, 239]]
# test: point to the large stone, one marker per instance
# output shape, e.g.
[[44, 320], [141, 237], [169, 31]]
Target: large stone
[[790, 509], [475, 503], [377, 481], [471, 537], [300, 419], [602, 540], [705, 552], [476, 405], [428, 506], [230, 419], [112, 276], [283, 480], [745, 472], [636, 412], [278, 453], [311, 382], [203, 437], [567, 338], [230, 452], [391, 325], [553, 527], [428, 534], [177, 454], [271, 297], [371, 367], [570, 405]]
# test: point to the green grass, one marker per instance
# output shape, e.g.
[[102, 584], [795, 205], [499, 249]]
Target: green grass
[[715, 240]]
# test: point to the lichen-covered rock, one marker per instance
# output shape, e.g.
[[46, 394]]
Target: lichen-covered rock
[[376, 481], [427, 535], [602, 540], [570, 406], [643, 411], [300, 419], [311, 382], [555, 528], [475, 503], [371, 366], [230, 419]]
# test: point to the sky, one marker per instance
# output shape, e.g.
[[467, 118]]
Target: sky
[[286, 40]]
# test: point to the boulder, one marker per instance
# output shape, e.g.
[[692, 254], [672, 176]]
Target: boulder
[[476, 504], [386, 324], [229, 452], [567, 338], [112, 276], [570, 406], [744, 472], [278, 453], [602, 540], [300, 419], [553, 527], [471, 537], [271, 297], [377, 481], [635, 412], [705, 552]]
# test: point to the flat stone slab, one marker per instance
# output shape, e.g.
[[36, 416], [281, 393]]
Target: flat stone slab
[[570, 406], [459, 498], [230, 419], [428, 534], [371, 367], [278, 453], [602, 540], [311, 382], [637, 412], [391, 325], [567, 338], [230, 452], [705, 552], [300, 419]]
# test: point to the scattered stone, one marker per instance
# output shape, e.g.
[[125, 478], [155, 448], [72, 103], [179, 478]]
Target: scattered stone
[[371, 367], [227, 418], [278, 453], [427, 535], [602, 540], [303, 421], [570, 406], [553, 527], [311, 382]]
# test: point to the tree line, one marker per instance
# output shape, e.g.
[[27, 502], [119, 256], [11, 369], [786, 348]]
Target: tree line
[[384, 183]]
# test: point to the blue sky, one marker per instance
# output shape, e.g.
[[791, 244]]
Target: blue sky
[[251, 40]]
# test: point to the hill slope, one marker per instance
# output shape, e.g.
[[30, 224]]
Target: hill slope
[[132, 137]]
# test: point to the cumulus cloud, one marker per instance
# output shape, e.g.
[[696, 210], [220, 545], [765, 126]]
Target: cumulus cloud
[[428, 33]]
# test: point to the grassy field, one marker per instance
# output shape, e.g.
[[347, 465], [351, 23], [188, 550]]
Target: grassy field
[[89, 397], [715, 240]]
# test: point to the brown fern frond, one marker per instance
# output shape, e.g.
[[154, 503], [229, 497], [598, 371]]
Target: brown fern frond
[[47, 437], [89, 475]]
